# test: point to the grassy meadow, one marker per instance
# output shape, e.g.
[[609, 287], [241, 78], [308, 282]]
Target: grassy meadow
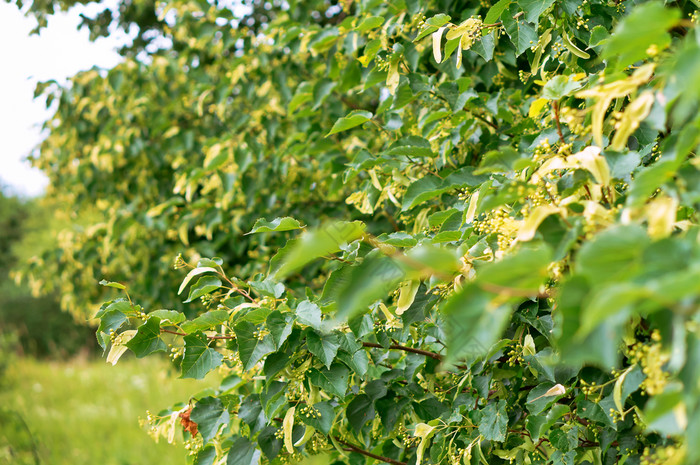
[[86, 411]]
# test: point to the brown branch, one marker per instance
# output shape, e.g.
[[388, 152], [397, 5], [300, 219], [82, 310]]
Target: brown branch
[[352, 448], [413, 350]]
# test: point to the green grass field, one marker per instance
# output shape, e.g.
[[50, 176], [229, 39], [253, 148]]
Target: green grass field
[[86, 412]]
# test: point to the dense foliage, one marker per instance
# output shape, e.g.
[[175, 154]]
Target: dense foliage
[[413, 231]]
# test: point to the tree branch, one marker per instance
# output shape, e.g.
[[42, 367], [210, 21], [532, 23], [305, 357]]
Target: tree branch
[[555, 105], [413, 350], [178, 333], [352, 448]]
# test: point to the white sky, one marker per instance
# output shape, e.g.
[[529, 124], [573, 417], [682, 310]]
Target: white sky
[[59, 52]]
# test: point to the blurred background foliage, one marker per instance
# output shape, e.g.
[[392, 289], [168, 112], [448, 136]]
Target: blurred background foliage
[[26, 228], [59, 403]]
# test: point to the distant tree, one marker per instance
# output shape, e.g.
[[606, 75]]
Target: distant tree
[[33, 322]]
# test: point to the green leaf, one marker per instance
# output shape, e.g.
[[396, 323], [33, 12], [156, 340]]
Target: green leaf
[[280, 326], [522, 33], [374, 279], [429, 409], [251, 412], [322, 89], [298, 100], [199, 359], [494, 421], [438, 20], [269, 443], [598, 36], [278, 224], [428, 259], [205, 321], [410, 146], [255, 315], [203, 286], [594, 411], [431, 186], [503, 160], [333, 380], [559, 87], [351, 120], [538, 401], [522, 271], [538, 425], [308, 313], [210, 414], [534, 8], [206, 456], [147, 339], [646, 25], [120, 305], [210, 262], [666, 412], [325, 346], [171, 316], [612, 255], [650, 178], [251, 349], [357, 361], [390, 409], [322, 417], [243, 452], [485, 45], [431, 25], [275, 362], [473, 322], [195, 272], [268, 287], [496, 10], [562, 440], [320, 242], [359, 411], [106, 283], [608, 301], [368, 23], [111, 321]]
